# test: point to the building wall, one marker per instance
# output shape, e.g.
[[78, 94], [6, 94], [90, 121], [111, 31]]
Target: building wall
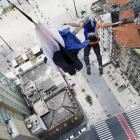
[[105, 34], [123, 59], [129, 64], [119, 56], [11, 102], [115, 52], [133, 70]]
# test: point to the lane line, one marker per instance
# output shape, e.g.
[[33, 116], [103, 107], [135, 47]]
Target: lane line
[[125, 126]]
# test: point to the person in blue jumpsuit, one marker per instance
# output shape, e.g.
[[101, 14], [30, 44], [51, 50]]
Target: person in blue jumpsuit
[[90, 27]]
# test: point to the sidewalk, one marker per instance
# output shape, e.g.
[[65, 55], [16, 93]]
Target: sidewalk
[[94, 112], [128, 98]]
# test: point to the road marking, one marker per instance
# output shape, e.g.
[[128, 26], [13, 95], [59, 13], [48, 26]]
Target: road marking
[[125, 126], [133, 110], [134, 117], [103, 131]]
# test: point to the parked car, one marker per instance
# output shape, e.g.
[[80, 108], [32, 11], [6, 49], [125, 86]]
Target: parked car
[[71, 137], [82, 130], [77, 133]]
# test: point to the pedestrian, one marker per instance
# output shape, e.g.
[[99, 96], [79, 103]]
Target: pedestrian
[[91, 26]]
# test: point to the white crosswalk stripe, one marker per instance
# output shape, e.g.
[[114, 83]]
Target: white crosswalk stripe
[[134, 117], [133, 111], [103, 131]]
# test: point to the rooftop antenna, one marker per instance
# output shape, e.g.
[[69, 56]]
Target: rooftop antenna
[[29, 18]]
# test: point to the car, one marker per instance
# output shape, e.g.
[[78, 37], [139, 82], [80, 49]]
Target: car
[[71, 137], [83, 129]]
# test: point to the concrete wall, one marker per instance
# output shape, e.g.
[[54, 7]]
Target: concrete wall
[[129, 63], [106, 33]]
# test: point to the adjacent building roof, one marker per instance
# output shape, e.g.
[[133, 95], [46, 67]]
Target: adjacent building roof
[[121, 2], [127, 35], [60, 104], [125, 14]]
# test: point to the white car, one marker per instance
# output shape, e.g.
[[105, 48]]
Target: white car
[[71, 137], [83, 129]]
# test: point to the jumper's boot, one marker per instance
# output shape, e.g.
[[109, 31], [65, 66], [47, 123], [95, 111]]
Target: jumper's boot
[[88, 70], [101, 70]]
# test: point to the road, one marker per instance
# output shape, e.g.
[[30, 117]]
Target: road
[[99, 87], [115, 129]]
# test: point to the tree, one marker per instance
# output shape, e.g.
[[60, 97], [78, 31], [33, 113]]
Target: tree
[[89, 99]]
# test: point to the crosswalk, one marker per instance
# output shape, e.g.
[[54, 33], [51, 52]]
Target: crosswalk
[[134, 117], [103, 131]]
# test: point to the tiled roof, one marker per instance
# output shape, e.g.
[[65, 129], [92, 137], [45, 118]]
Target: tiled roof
[[127, 35], [121, 2], [126, 14]]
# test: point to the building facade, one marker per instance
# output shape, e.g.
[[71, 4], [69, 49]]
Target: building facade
[[12, 103], [105, 34], [119, 55], [133, 69], [128, 61]]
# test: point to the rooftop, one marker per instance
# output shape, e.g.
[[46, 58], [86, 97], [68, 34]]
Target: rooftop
[[121, 2], [125, 14], [61, 107], [52, 88], [127, 35]]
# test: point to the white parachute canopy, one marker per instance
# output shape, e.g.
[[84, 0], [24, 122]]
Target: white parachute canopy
[[48, 40]]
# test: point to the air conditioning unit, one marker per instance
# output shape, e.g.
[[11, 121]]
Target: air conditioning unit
[[35, 124]]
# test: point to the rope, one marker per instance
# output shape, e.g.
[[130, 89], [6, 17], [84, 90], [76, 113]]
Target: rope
[[29, 18]]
